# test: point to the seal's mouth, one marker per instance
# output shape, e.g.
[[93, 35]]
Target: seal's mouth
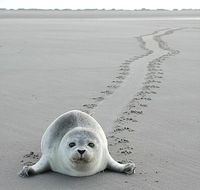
[[80, 160]]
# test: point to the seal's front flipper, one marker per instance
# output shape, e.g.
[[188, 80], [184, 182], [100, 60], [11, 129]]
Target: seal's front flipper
[[41, 166], [27, 171], [128, 168]]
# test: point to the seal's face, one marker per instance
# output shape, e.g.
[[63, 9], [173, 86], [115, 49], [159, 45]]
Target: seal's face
[[81, 148]]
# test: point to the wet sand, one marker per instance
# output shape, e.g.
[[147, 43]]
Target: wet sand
[[138, 78]]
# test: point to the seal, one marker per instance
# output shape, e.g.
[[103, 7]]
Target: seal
[[75, 144]]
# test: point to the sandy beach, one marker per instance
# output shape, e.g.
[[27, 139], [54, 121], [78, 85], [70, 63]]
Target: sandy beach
[[136, 73]]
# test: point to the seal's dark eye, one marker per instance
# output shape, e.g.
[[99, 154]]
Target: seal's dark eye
[[91, 145], [72, 144]]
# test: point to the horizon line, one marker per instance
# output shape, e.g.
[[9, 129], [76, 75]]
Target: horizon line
[[103, 9]]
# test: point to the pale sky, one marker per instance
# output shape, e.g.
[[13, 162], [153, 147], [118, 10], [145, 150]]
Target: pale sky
[[100, 4]]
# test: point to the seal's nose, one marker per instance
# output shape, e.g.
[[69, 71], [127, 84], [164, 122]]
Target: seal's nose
[[81, 151]]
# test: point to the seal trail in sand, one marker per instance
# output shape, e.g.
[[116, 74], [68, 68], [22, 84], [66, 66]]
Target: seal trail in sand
[[144, 70], [133, 110], [117, 82]]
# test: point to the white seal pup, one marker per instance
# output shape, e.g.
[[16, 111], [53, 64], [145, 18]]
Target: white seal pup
[[75, 144]]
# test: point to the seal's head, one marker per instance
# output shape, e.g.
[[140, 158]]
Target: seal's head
[[80, 148]]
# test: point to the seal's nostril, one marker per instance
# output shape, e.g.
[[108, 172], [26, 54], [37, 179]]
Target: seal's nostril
[[81, 151]]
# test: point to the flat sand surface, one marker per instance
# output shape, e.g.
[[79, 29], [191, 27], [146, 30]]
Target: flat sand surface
[[138, 74]]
